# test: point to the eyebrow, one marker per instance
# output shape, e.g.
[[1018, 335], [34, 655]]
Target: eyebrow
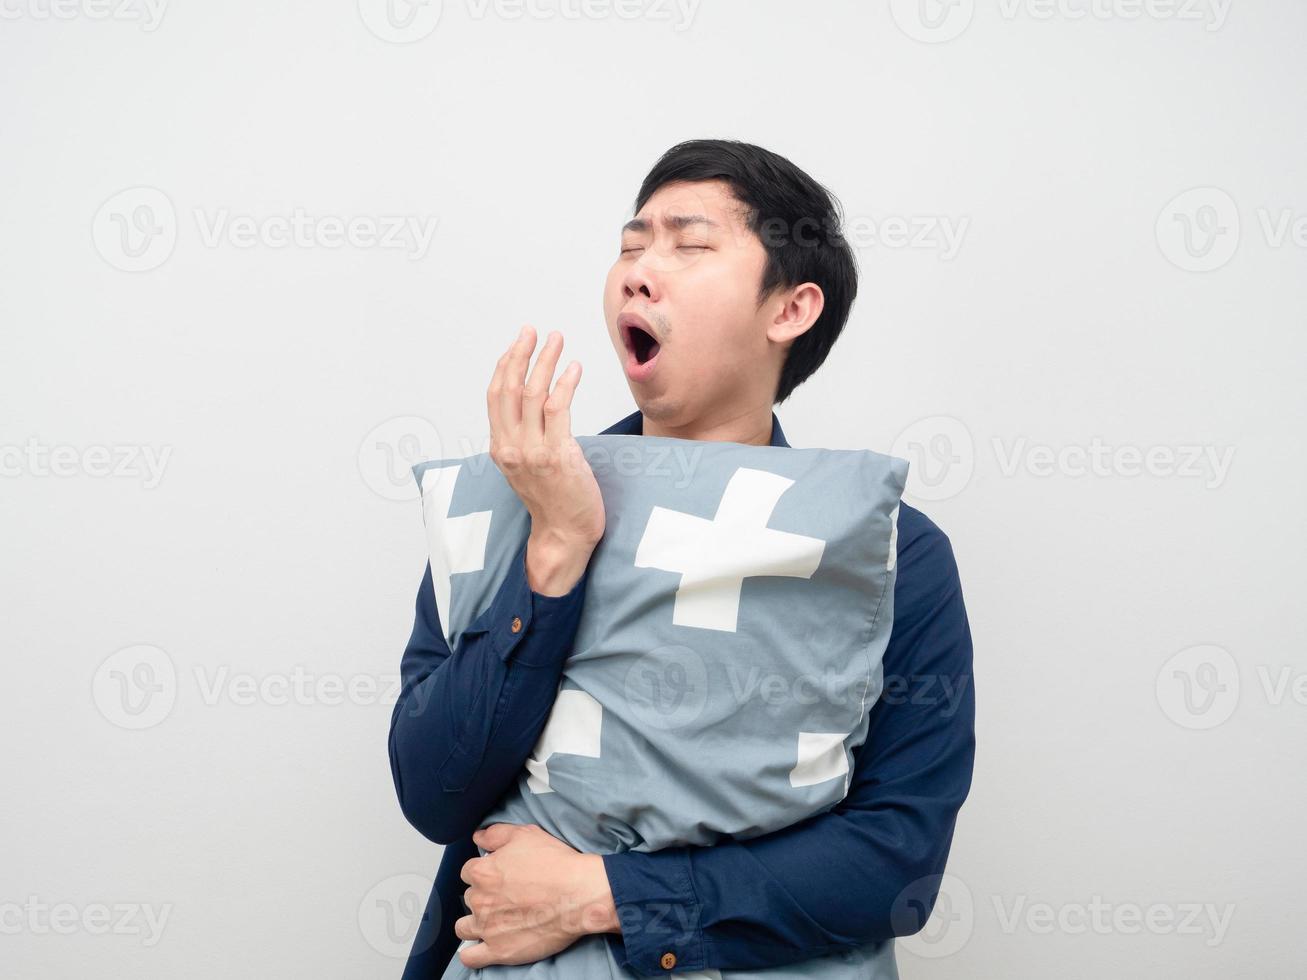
[[674, 221]]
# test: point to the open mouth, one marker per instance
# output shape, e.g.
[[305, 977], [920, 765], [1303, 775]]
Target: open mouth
[[641, 343], [642, 347]]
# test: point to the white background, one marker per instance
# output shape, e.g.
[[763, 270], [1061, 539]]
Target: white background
[[1074, 314]]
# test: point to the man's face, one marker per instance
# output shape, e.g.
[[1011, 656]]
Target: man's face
[[689, 271]]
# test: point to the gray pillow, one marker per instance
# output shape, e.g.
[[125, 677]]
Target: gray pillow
[[728, 650]]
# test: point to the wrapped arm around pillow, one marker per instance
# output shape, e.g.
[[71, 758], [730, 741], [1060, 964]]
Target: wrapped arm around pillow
[[868, 869], [480, 709]]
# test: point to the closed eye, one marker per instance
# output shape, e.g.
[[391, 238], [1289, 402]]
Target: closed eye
[[701, 248]]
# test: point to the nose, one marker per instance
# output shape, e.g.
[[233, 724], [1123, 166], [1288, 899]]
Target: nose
[[640, 278]]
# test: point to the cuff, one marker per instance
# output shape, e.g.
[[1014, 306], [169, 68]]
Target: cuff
[[660, 916], [539, 628]]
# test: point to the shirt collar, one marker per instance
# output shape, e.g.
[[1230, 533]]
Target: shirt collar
[[633, 425]]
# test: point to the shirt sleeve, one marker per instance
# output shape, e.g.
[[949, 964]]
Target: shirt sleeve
[[451, 753], [864, 871]]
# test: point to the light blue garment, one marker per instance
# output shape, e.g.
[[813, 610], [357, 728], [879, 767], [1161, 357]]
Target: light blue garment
[[728, 650]]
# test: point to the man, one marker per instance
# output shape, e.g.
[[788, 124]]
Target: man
[[732, 284]]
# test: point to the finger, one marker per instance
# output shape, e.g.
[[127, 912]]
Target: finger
[[495, 836], [510, 393], [476, 957], [466, 928], [558, 408], [537, 386], [492, 397], [468, 868]]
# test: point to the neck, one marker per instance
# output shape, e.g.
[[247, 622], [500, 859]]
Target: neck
[[752, 427]]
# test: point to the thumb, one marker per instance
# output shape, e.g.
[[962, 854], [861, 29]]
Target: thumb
[[494, 837]]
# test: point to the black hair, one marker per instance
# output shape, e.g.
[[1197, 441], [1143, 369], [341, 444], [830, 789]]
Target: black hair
[[798, 222]]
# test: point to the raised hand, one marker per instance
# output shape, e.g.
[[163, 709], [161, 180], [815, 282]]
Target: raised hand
[[531, 442]]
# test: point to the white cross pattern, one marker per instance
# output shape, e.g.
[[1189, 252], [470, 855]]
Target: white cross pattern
[[715, 556], [455, 544], [574, 728], [820, 757]]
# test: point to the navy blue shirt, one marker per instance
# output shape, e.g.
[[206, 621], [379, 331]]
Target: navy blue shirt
[[866, 870]]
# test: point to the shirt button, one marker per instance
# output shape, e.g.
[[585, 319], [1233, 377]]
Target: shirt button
[[668, 961], [517, 624]]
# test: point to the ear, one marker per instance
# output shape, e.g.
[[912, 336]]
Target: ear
[[800, 307]]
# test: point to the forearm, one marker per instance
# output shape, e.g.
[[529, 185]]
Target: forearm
[[799, 893], [451, 757], [465, 724]]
